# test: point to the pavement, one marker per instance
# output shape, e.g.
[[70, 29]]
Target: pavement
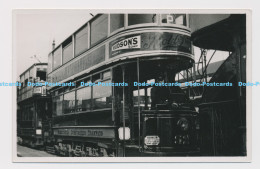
[[23, 151]]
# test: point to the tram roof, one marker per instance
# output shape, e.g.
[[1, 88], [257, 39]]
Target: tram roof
[[35, 64], [219, 36]]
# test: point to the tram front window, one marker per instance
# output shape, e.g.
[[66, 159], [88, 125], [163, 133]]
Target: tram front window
[[134, 19], [158, 97], [179, 19]]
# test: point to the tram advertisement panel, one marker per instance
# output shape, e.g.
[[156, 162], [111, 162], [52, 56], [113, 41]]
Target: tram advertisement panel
[[150, 41], [102, 133]]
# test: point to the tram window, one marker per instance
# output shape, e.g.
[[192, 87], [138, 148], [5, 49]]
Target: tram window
[[106, 75], [99, 28], [69, 102], [116, 22], [67, 53], [60, 90], [57, 105], [22, 81], [66, 89], [179, 19], [56, 58], [102, 96], [96, 78], [83, 99], [78, 84], [41, 75], [145, 100], [30, 113], [81, 41], [134, 19], [50, 63], [55, 93], [142, 98], [26, 82]]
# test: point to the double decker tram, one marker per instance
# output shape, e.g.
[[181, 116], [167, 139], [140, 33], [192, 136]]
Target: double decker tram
[[117, 95], [33, 104]]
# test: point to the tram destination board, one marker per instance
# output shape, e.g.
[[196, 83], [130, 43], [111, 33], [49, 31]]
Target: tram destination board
[[150, 41]]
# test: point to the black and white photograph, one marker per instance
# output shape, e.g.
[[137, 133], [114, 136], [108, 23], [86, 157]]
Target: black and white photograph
[[131, 83]]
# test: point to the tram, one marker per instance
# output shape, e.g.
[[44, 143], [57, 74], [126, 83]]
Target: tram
[[101, 111], [222, 111], [33, 104]]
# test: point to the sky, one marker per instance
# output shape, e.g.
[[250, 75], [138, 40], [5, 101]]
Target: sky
[[35, 30]]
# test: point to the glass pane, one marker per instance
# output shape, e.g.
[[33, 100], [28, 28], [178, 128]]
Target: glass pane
[[56, 58], [116, 21], [104, 102], [83, 99], [22, 79], [142, 98], [102, 96], [179, 19], [134, 19], [69, 102], [99, 29], [57, 105], [67, 53], [49, 63], [106, 74], [81, 41], [102, 91]]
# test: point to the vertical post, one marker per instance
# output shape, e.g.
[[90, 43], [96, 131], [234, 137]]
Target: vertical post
[[113, 95], [194, 78], [205, 61], [73, 45], [241, 96], [139, 113], [187, 72], [123, 74]]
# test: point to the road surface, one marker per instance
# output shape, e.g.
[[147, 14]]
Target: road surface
[[29, 152]]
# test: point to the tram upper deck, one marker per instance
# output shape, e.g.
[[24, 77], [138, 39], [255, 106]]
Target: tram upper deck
[[111, 38]]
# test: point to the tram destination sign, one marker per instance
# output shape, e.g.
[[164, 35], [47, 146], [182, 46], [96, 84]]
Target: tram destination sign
[[83, 132], [150, 41]]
